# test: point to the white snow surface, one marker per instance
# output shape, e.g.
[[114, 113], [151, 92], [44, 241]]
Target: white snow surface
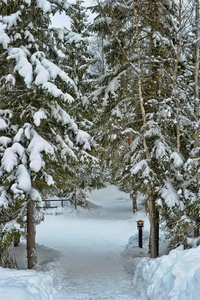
[[84, 255]]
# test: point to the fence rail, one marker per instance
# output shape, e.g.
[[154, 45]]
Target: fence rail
[[62, 200]]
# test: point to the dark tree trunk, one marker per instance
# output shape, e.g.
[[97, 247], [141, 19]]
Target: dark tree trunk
[[154, 229], [134, 199], [196, 97], [31, 247], [157, 231], [16, 241], [134, 202]]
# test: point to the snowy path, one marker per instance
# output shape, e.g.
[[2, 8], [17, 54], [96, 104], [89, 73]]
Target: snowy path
[[90, 265], [79, 258]]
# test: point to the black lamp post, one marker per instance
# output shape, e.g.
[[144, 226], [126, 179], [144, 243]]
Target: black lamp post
[[140, 225]]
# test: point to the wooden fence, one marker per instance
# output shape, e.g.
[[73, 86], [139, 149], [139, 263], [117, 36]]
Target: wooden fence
[[62, 200]]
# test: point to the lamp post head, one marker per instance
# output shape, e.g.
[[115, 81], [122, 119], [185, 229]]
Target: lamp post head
[[140, 224]]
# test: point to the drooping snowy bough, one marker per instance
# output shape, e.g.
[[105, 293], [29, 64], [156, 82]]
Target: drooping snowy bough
[[40, 144]]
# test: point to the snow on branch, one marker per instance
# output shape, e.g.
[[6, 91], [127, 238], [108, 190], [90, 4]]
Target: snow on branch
[[12, 225], [52, 69], [10, 156], [141, 166], [12, 19], [5, 141], [62, 116], [44, 71], [85, 156], [4, 198], [153, 130], [5, 115], [106, 20], [95, 95], [38, 116], [112, 87], [44, 5], [127, 130], [177, 160], [116, 112], [3, 124], [10, 78], [115, 84], [35, 195], [73, 37], [65, 149], [170, 196], [23, 65], [158, 37], [52, 89], [35, 148], [83, 138], [160, 149], [23, 178], [4, 39]]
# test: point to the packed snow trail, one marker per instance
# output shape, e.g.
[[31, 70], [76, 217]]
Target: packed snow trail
[[90, 265]]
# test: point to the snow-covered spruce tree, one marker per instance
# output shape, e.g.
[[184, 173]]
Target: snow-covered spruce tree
[[40, 143], [113, 98], [191, 167], [76, 59], [76, 43], [171, 110], [152, 162], [177, 197], [175, 200]]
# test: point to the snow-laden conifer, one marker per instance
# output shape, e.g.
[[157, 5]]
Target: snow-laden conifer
[[144, 120], [40, 141]]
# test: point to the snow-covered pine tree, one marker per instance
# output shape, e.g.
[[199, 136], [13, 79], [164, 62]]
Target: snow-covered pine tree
[[155, 175], [113, 98], [191, 216], [77, 60], [40, 142], [77, 44]]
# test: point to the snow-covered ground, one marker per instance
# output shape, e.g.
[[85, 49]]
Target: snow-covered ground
[[91, 243], [84, 255]]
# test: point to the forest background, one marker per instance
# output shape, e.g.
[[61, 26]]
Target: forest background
[[113, 100]]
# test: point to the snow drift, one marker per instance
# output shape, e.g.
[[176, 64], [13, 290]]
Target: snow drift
[[25, 285], [175, 276]]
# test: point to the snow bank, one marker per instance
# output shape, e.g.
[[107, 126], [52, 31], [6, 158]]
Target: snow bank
[[174, 276], [25, 285]]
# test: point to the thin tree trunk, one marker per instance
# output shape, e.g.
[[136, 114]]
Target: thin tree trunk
[[31, 247], [140, 83], [196, 77], [175, 88], [154, 225], [196, 95], [157, 232], [153, 243], [102, 57], [134, 200], [75, 197], [129, 138]]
